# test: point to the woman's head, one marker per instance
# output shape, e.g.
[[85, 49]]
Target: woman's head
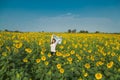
[[53, 40]]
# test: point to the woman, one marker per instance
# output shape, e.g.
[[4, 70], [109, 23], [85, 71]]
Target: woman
[[54, 41]]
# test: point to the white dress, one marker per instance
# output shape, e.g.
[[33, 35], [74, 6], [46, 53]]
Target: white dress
[[53, 46]]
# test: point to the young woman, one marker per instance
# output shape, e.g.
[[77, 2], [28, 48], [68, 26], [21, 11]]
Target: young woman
[[54, 42]]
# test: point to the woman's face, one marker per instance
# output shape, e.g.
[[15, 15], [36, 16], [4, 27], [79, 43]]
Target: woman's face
[[53, 41]]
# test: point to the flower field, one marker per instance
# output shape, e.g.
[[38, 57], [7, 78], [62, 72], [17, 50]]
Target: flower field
[[26, 56]]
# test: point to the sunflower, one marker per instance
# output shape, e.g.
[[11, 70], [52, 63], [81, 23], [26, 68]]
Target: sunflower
[[67, 54], [98, 76], [112, 54], [42, 52], [61, 47], [99, 63], [4, 54], [76, 46], [72, 52], [85, 74], [64, 42], [58, 54], [8, 48], [80, 79], [79, 57], [92, 58], [43, 58], [25, 60], [58, 66], [89, 51], [28, 50], [37, 60], [40, 42], [16, 41], [61, 70], [87, 65], [18, 45], [46, 63], [69, 59], [49, 55], [109, 65]]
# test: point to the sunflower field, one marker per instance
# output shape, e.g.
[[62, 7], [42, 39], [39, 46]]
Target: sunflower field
[[26, 56]]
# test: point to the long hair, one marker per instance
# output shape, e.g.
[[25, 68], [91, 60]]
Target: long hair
[[52, 40]]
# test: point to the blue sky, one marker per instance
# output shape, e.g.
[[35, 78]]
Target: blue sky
[[60, 15]]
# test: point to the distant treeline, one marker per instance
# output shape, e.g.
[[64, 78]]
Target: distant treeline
[[6, 30], [69, 31], [85, 31], [81, 31]]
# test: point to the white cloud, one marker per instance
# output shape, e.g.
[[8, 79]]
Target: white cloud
[[69, 13]]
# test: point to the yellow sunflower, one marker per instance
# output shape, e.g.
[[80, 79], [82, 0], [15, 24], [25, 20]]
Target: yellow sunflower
[[85, 74], [58, 54], [43, 58], [4, 54], [37, 60], [46, 63], [87, 65], [58, 66], [72, 52], [109, 65], [25, 60], [69, 59], [49, 55], [18, 45], [98, 76], [61, 70], [28, 50]]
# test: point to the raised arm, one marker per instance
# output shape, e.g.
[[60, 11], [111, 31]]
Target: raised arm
[[51, 38]]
